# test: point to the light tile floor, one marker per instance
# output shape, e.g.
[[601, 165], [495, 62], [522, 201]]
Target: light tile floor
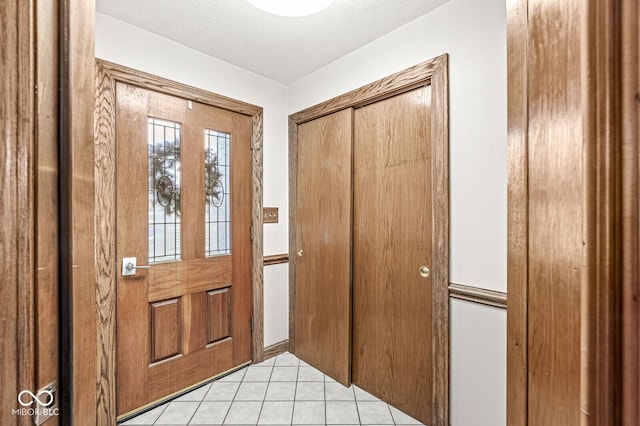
[[280, 391]]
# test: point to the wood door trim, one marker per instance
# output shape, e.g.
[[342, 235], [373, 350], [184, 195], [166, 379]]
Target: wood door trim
[[47, 323], [517, 211], [276, 259], [17, 209], [276, 349], [77, 201], [170, 87], [434, 72], [604, 137], [483, 296], [107, 74], [440, 323], [402, 81], [293, 212], [631, 213]]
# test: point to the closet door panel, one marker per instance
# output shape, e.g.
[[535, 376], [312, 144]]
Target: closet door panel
[[323, 244], [393, 227]]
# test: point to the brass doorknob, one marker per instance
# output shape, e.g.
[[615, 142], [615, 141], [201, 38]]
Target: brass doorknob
[[424, 271], [300, 253]]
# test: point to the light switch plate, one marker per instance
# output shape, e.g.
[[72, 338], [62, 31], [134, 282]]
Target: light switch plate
[[270, 215]]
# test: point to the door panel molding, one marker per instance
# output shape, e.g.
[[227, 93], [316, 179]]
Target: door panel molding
[[107, 74], [435, 73]]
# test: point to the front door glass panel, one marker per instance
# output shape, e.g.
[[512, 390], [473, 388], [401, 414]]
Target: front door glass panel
[[217, 193], [164, 190]]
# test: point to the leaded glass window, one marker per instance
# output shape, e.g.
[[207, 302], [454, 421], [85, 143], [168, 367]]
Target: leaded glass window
[[217, 193], [164, 190]]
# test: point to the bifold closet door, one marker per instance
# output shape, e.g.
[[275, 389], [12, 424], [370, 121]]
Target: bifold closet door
[[392, 334], [323, 244]]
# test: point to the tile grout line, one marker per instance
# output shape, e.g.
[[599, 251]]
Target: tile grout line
[[391, 414], [264, 397], [295, 392], [194, 413], [234, 396], [161, 413], [355, 399], [295, 395], [295, 389], [324, 389], [199, 404], [269, 385]]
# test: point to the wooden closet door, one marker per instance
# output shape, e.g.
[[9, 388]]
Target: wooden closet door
[[392, 321], [323, 244]]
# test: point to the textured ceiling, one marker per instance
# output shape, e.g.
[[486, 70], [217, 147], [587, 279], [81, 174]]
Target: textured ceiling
[[282, 49]]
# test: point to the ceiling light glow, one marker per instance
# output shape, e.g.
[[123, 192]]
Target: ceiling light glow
[[291, 8]]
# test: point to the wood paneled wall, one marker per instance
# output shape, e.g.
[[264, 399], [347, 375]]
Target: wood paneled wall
[[565, 220]]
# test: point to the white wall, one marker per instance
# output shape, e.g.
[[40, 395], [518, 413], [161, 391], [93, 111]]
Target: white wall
[[127, 45], [276, 297], [478, 365], [473, 33]]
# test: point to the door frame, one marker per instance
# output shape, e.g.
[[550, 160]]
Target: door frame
[[107, 75], [433, 72], [18, 176]]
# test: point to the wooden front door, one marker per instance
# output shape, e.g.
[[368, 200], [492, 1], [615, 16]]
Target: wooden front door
[[323, 245], [392, 335], [184, 210]]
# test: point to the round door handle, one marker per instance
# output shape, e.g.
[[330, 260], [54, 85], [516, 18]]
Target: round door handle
[[300, 252], [424, 271]]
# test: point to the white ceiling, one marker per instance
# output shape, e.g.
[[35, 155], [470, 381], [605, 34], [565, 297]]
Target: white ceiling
[[282, 49]]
